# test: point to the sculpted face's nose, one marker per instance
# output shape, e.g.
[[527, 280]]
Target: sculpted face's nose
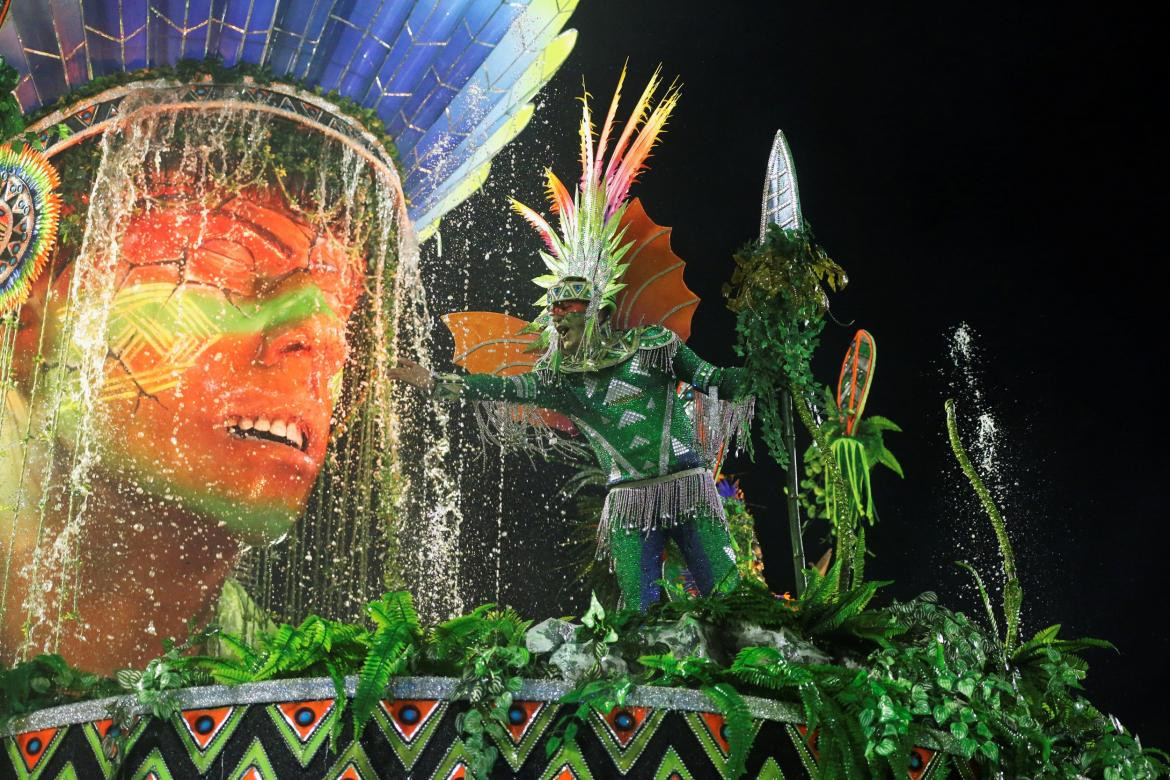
[[298, 324]]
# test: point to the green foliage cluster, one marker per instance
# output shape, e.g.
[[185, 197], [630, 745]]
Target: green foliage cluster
[[777, 294], [893, 677], [12, 122], [742, 526], [486, 651], [871, 681], [46, 681], [11, 116], [856, 454]]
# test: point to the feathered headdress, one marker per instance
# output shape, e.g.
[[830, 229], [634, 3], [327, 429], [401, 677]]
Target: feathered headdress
[[584, 258]]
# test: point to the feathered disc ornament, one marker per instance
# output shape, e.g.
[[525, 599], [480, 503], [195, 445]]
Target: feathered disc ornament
[[29, 210]]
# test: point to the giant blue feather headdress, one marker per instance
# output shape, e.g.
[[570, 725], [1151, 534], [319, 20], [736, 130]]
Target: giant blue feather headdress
[[450, 80]]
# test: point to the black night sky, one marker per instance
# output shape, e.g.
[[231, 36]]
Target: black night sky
[[982, 163]]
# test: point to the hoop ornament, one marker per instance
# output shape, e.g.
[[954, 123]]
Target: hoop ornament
[[29, 211]]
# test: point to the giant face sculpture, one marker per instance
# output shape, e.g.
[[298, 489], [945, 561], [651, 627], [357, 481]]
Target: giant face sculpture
[[226, 343], [179, 374]]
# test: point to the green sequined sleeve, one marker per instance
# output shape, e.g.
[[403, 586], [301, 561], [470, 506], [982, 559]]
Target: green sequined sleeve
[[521, 388], [689, 367]]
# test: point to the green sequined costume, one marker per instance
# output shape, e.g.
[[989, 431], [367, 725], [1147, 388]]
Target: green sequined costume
[[657, 444]]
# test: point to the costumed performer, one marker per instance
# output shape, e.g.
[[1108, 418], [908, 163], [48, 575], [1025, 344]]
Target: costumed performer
[[619, 386]]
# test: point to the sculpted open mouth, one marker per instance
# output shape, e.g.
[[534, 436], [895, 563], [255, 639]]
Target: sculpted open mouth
[[287, 432]]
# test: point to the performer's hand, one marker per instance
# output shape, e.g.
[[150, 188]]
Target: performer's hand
[[412, 373]]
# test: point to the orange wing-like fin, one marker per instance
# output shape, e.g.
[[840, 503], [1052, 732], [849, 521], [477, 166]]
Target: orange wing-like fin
[[487, 342], [655, 293]]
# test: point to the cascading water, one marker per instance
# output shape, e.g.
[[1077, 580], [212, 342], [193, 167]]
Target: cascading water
[[431, 520], [210, 280]]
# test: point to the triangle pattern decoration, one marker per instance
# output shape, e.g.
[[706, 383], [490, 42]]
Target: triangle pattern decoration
[[304, 725], [154, 767], [630, 417], [671, 767], [409, 725], [30, 751], [67, 773], [625, 731], [567, 764], [806, 747], [204, 732], [102, 736], [254, 764], [619, 391], [353, 764], [711, 730], [770, 771], [527, 723], [454, 765]]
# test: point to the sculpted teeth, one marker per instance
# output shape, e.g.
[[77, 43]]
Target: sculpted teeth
[[284, 429]]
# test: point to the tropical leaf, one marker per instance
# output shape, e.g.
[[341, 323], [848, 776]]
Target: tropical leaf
[[738, 721]]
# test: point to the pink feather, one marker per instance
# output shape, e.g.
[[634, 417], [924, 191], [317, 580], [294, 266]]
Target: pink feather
[[637, 116], [538, 222], [633, 162], [627, 161]]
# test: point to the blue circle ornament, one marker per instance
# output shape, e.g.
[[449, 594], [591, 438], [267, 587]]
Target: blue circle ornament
[[29, 211]]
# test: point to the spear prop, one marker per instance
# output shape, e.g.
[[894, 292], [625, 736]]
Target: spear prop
[[781, 206]]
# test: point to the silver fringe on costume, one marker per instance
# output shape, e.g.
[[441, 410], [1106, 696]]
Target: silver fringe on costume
[[661, 502], [660, 357], [720, 424], [519, 428]]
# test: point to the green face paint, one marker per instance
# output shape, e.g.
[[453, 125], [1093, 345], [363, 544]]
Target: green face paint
[[187, 359]]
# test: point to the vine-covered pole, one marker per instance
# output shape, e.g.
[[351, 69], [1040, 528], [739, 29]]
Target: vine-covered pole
[[781, 206], [792, 488]]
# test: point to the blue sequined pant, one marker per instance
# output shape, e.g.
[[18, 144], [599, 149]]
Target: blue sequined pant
[[703, 541]]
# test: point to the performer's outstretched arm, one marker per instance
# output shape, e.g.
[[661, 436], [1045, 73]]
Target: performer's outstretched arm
[[689, 367], [521, 388]]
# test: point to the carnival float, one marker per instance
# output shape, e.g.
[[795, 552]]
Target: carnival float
[[225, 486]]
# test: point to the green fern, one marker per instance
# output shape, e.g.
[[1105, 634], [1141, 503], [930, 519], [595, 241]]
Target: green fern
[[739, 723], [396, 635]]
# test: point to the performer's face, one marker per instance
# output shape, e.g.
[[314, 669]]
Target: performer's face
[[226, 342], [569, 319]]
